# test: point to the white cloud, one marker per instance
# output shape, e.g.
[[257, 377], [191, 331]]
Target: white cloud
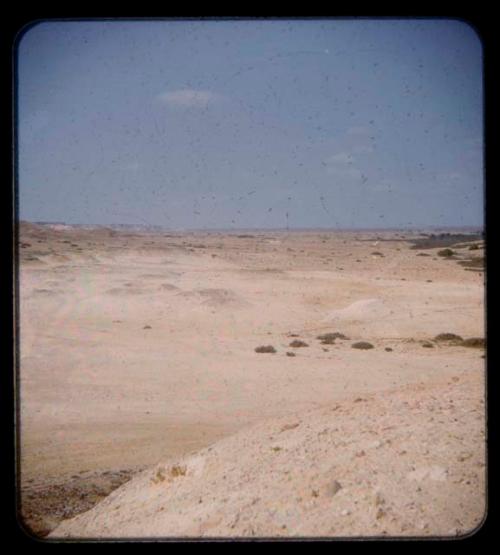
[[188, 98], [341, 165], [340, 159]]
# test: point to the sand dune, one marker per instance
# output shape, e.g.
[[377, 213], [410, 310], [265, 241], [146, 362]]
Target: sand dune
[[138, 353]]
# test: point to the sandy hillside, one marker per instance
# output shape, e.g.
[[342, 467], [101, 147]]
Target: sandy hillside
[[375, 465], [138, 350]]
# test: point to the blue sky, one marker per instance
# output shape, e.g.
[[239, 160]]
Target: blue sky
[[251, 124]]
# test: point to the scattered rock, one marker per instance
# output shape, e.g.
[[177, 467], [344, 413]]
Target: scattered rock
[[333, 488], [265, 349], [434, 473], [362, 345]]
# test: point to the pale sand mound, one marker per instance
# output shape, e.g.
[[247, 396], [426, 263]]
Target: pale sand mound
[[216, 298], [365, 309], [408, 462]]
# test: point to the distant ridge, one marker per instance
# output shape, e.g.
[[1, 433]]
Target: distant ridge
[[234, 230]]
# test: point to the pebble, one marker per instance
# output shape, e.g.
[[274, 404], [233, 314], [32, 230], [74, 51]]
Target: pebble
[[333, 488], [375, 444]]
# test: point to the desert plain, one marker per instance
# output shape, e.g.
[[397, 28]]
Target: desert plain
[[146, 411]]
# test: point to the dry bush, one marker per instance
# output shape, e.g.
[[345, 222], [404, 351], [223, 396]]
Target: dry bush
[[265, 349], [329, 338], [448, 338], [476, 342], [362, 345], [298, 343], [446, 252]]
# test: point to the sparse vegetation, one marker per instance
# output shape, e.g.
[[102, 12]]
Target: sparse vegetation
[[362, 345], [448, 338], [290, 354], [475, 342], [329, 338], [177, 470], [477, 262], [298, 343], [446, 253], [265, 349], [427, 344]]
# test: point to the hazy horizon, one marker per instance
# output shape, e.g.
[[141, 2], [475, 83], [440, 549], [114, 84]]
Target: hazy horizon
[[471, 228], [243, 124]]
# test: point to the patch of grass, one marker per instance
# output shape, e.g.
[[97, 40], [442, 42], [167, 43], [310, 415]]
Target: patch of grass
[[362, 345], [298, 343], [265, 349], [177, 470], [159, 476]]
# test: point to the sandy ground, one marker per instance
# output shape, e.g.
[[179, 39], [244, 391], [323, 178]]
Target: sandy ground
[[137, 359]]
